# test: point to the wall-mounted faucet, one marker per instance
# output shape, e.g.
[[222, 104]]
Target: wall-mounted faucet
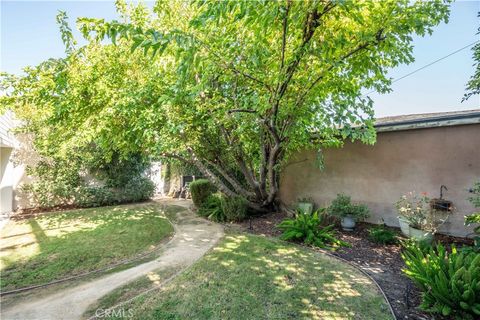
[[441, 190]]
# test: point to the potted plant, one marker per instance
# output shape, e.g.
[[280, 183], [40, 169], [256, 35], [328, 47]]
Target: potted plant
[[406, 206], [404, 227], [349, 213], [305, 205], [421, 217], [474, 218]]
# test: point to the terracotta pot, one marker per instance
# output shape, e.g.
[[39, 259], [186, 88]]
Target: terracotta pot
[[404, 225], [348, 223], [420, 235]]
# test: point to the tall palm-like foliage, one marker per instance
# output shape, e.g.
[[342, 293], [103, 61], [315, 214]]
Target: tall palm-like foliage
[[450, 281]]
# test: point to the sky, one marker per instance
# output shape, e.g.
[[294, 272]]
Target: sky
[[29, 35]]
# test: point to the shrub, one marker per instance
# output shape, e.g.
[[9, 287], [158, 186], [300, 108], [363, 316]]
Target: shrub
[[56, 183], [475, 199], [138, 189], [200, 190], [59, 181], [119, 171], [95, 197], [474, 218], [308, 228], [211, 208], [342, 206], [450, 282], [234, 208], [382, 235], [220, 208]]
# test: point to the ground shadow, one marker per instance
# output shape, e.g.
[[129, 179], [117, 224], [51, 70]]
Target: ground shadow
[[75, 242], [252, 277]]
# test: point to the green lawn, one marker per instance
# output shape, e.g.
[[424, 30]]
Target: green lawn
[[252, 277], [61, 244]]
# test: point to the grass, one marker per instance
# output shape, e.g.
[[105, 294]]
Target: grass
[[132, 289], [253, 277], [61, 244]]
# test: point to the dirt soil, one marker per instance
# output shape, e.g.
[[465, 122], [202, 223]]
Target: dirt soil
[[382, 262]]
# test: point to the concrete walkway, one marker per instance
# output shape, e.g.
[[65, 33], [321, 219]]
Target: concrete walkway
[[193, 237]]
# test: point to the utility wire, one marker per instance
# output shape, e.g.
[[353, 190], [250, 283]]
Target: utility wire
[[428, 65]]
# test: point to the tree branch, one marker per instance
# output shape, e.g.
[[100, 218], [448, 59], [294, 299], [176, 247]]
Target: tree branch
[[230, 66], [263, 165], [378, 38], [176, 156], [241, 110], [312, 21], [239, 156], [234, 183], [208, 173], [284, 34], [273, 188]]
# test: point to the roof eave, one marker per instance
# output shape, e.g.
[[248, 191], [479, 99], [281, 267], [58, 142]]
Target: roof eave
[[441, 121]]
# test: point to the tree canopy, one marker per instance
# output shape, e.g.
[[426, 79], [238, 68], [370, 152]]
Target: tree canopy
[[233, 87], [473, 86]]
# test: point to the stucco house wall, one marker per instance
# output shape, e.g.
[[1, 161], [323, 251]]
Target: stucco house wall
[[8, 173], [419, 160]]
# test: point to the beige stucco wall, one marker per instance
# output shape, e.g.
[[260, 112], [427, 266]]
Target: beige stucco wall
[[10, 173], [401, 161]]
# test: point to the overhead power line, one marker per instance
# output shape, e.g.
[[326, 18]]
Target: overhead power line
[[429, 64]]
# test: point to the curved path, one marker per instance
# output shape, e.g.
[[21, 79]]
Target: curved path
[[193, 238]]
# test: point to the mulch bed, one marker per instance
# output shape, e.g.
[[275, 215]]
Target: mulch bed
[[382, 262]]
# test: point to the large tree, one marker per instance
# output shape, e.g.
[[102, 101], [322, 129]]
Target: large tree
[[234, 87], [473, 86]]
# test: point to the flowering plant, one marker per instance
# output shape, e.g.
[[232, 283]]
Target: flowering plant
[[418, 212]]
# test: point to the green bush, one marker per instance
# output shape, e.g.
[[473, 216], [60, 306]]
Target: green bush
[[56, 184], [474, 218], [220, 208], [211, 208], [342, 206], [308, 228], [234, 208], [59, 182], [119, 171], [450, 282], [200, 190], [382, 235], [95, 197], [475, 199], [138, 189]]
